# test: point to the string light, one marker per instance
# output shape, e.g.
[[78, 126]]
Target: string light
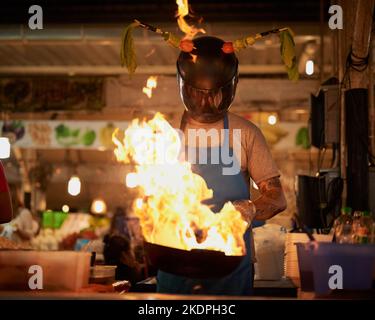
[[272, 120], [309, 67], [65, 208], [4, 148], [98, 206], [74, 186]]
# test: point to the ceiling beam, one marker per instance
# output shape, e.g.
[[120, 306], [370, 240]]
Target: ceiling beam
[[117, 70]]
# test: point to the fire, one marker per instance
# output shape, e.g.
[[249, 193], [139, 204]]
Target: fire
[[170, 194], [183, 11], [193, 57], [152, 82]]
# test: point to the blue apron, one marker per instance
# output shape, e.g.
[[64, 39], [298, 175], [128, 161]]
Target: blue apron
[[225, 188]]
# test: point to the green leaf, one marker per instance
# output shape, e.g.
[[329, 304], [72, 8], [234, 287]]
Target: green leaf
[[288, 54], [293, 73], [62, 131], [75, 133], [302, 138], [127, 53], [89, 137]]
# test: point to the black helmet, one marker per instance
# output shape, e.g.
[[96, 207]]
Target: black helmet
[[207, 79]]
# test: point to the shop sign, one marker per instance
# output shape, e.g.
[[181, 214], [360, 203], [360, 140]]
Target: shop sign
[[61, 134]]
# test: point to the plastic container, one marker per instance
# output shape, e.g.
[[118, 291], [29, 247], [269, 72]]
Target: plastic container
[[102, 274], [62, 270], [269, 249], [80, 244], [291, 257], [357, 262], [305, 265]]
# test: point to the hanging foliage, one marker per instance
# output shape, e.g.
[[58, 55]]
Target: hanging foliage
[[287, 46], [288, 54], [127, 55]]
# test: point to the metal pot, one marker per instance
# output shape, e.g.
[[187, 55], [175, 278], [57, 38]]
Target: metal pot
[[196, 263]]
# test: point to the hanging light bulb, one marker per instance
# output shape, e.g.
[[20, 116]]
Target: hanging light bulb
[[272, 120], [74, 185], [309, 67], [4, 148], [98, 206]]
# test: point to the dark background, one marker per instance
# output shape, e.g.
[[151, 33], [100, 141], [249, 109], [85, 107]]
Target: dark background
[[121, 11]]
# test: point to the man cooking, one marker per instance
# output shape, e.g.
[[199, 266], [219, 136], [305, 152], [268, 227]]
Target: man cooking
[[207, 79]]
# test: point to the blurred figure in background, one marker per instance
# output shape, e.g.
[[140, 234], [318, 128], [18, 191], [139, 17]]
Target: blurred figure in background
[[119, 223], [128, 226], [125, 224], [118, 252], [5, 198], [23, 227]]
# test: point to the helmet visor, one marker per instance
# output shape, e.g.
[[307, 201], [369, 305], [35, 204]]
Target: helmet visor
[[207, 105]]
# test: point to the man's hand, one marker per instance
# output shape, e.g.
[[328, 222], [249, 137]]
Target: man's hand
[[272, 199], [247, 209], [271, 202]]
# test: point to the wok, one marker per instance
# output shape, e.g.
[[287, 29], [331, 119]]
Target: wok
[[196, 263]]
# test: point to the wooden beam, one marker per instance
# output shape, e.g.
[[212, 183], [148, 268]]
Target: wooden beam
[[266, 69]]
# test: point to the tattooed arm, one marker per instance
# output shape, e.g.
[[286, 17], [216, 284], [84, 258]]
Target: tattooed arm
[[271, 202]]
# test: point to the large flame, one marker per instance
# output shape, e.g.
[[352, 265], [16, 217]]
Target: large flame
[[183, 11], [170, 194]]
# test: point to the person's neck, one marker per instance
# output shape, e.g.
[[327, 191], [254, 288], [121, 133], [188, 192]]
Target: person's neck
[[195, 122]]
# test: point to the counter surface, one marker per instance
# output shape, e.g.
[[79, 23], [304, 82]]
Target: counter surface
[[42, 295]]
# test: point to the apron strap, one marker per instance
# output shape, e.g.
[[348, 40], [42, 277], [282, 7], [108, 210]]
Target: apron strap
[[225, 144], [226, 122], [183, 121]]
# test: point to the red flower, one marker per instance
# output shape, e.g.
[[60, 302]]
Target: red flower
[[186, 45], [228, 47]]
